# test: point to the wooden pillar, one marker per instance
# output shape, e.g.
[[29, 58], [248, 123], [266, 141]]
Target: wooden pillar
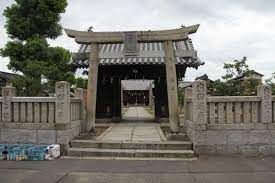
[[116, 99], [151, 95], [100, 99], [164, 98], [172, 88], [157, 101], [161, 99], [92, 87], [121, 95]]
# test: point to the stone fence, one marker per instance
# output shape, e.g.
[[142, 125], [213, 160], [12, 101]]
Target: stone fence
[[230, 124], [42, 120]]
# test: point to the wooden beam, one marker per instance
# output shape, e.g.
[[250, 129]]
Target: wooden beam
[[121, 54], [83, 37]]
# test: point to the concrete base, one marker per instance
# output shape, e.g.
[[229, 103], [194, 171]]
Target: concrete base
[[176, 136], [246, 150], [250, 142], [242, 139], [84, 152], [37, 136], [182, 145]]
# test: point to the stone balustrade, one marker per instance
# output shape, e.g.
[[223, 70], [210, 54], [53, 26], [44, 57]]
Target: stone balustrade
[[273, 109], [33, 110], [230, 124], [41, 119], [75, 109], [38, 110], [233, 110], [188, 104]]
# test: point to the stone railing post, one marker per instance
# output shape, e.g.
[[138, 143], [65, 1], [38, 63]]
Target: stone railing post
[[264, 91], [187, 93], [62, 103], [7, 93], [199, 104], [80, 93]]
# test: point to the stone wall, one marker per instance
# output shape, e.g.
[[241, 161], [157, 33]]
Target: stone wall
[[18, 133], [230, 125], [41, 120]]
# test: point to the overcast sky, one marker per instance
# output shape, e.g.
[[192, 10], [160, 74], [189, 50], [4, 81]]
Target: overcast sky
[[230, 29]]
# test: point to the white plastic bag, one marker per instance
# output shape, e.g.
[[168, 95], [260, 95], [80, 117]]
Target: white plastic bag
[[53, 152]]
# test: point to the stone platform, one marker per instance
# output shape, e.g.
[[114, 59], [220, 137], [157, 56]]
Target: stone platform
[[132, 140], [136, 114], [133, 132]]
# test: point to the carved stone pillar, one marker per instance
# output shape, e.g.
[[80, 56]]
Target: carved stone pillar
[[7, 93], [92, 87], [62, 103], [266, 104], [172, 89], [199, 102]]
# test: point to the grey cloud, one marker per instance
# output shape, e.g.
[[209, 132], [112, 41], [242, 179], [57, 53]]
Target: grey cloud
[[215, 41], [263, 6]]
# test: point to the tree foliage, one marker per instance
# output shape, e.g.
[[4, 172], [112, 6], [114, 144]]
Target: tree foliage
[[270, 81], [28, 18], [235, 69], [29, 23], [232, 85], [81, 83]]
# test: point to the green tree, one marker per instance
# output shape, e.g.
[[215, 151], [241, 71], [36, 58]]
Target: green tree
[[232, 85], [235, 69], [81, 83], [29, 23], [270, 81]]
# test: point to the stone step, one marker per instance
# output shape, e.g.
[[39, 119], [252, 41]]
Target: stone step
[[168, 145], [176, 137], [91, 152], [128, 158]]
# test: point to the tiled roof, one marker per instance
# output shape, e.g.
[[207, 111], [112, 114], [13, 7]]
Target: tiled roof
[[148, 53], [7, 75]]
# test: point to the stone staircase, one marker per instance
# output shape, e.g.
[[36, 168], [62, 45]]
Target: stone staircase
[[131, 149]]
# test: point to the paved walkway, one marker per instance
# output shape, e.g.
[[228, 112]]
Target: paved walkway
[[205, 170], [137, 113], [133, 132]]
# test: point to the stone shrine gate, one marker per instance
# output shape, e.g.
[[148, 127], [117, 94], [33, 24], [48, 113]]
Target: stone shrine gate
[[213, 125], [162, 56]]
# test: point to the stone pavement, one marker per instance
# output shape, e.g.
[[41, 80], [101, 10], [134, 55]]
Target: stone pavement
[[205, 169], [133, 132], [137, 113]]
